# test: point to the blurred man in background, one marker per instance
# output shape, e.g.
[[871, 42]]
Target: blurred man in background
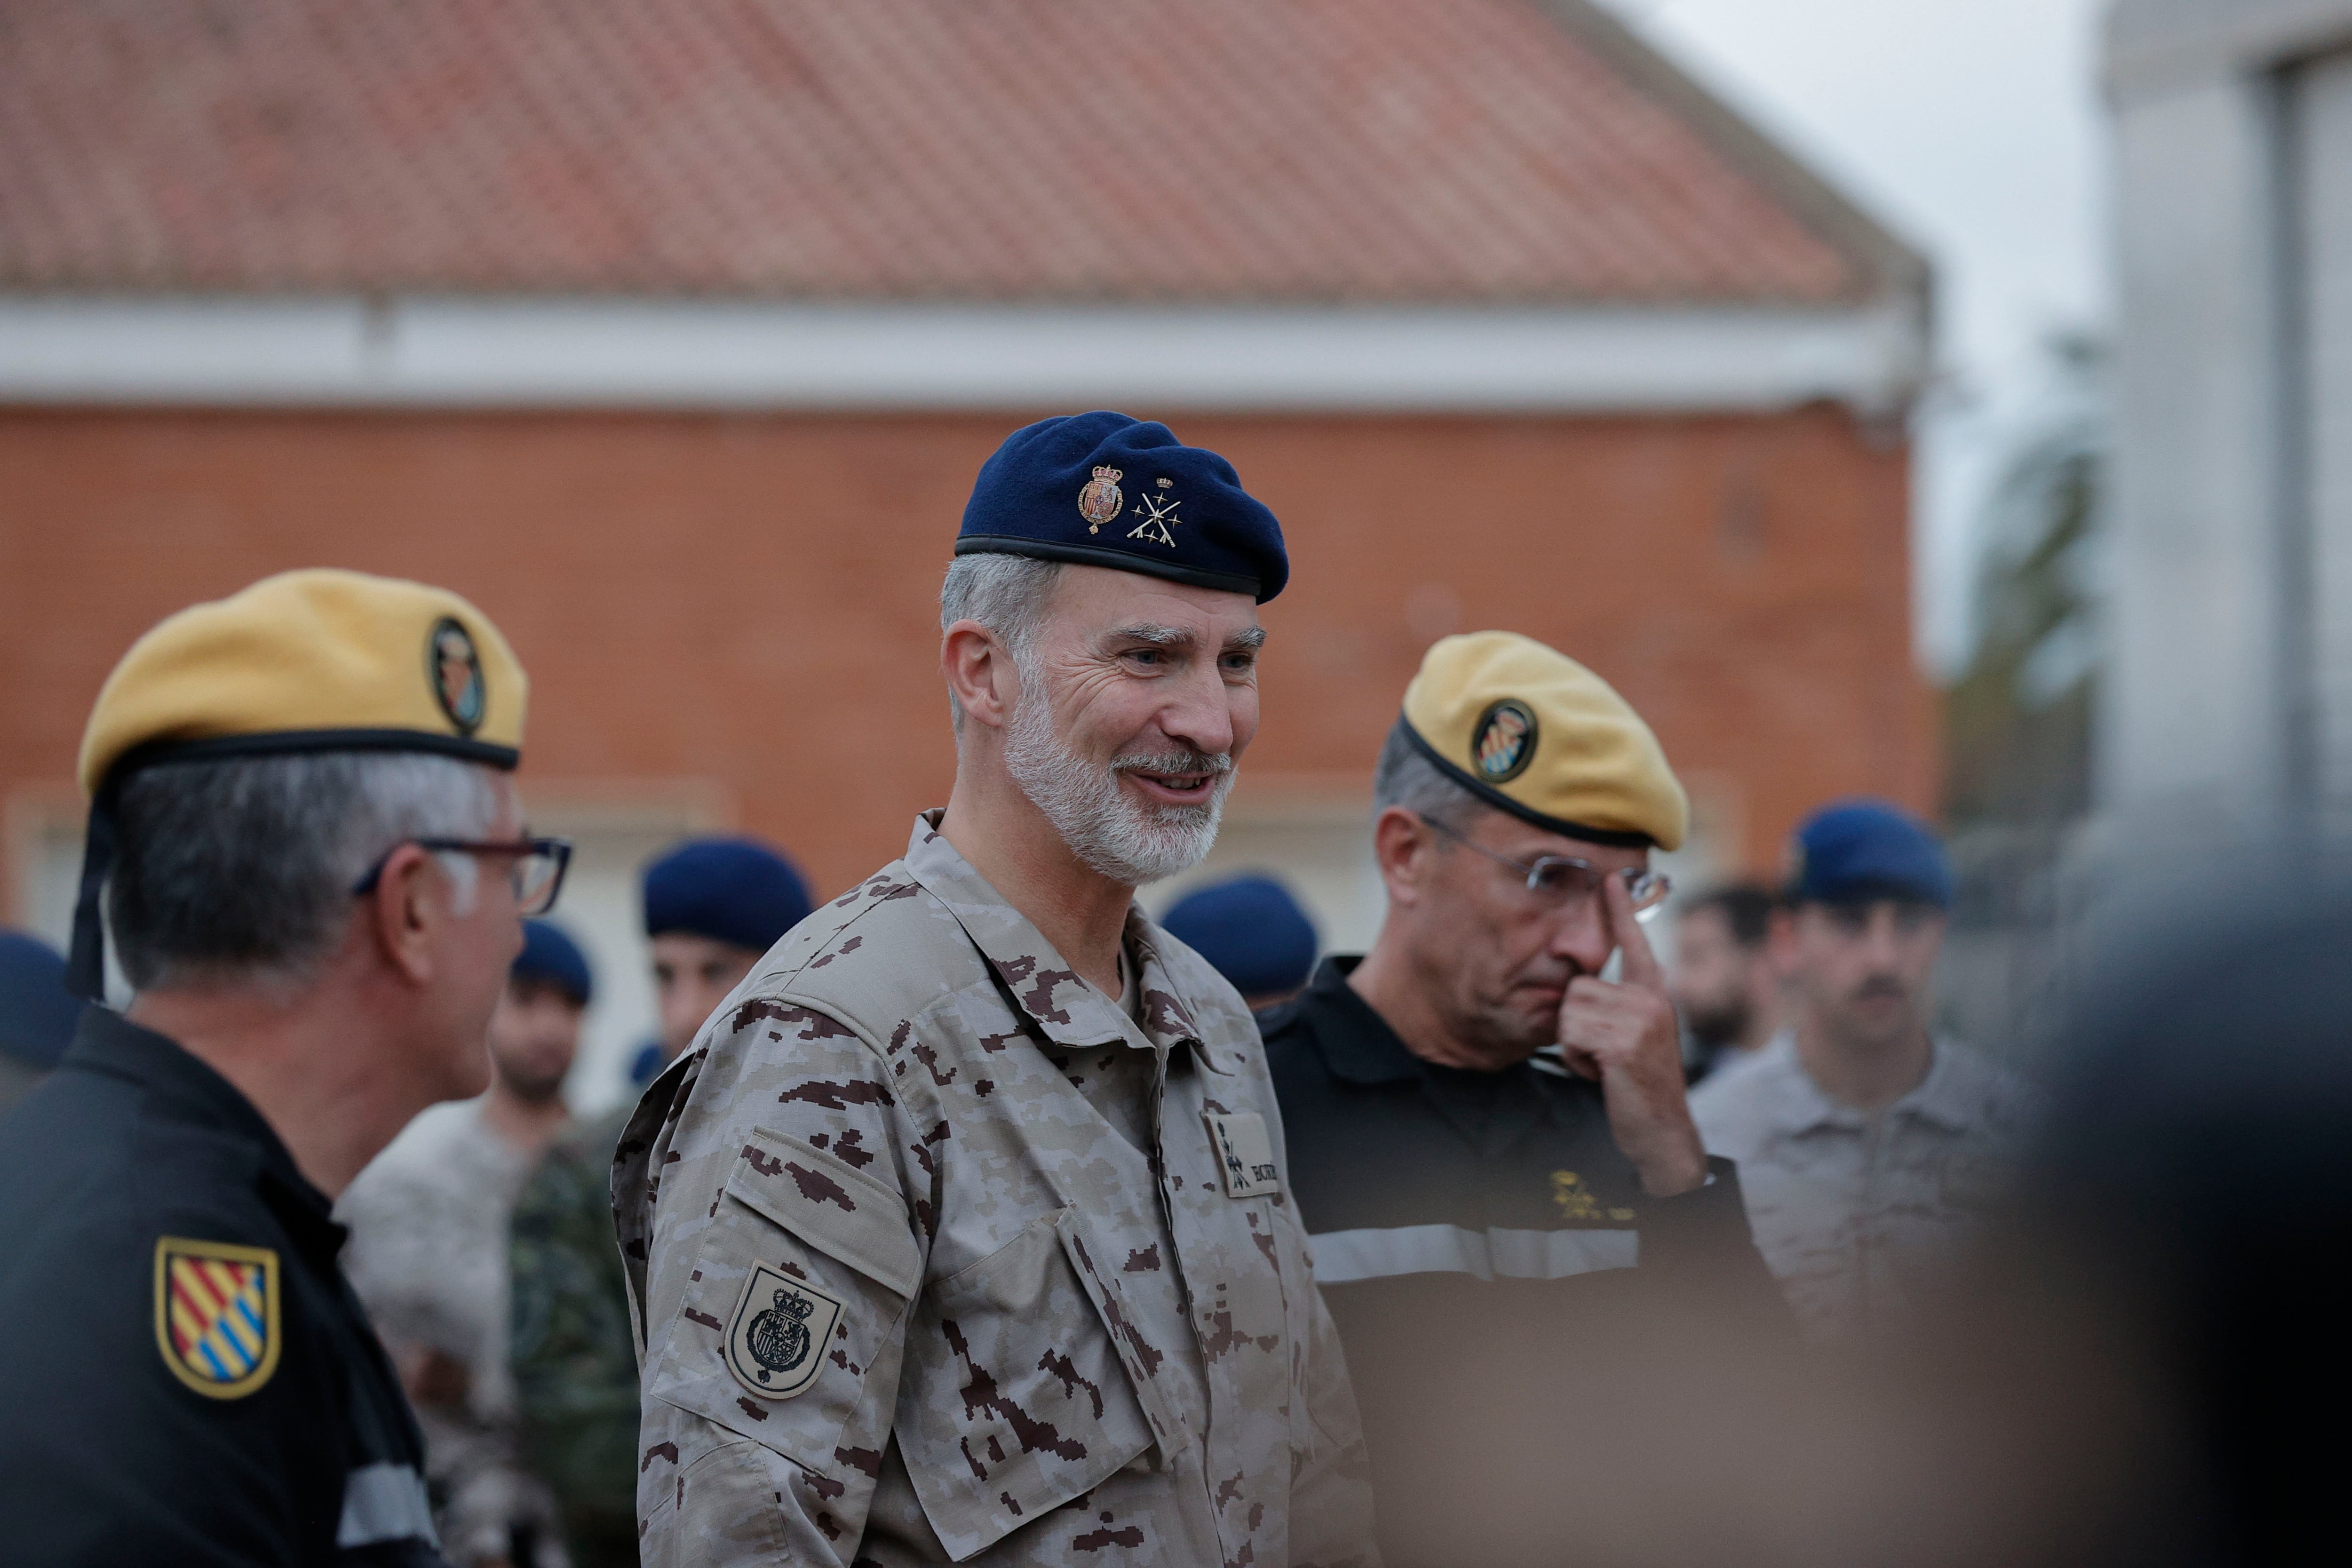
[[1494, 1240], [1252, 932], [428, 1255], [713, 908], [1866, 1145], [38, 1013], [1725, 985]]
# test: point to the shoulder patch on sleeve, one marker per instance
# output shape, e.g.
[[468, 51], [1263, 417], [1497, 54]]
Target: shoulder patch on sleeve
[[217, 1314], [778, 1332]]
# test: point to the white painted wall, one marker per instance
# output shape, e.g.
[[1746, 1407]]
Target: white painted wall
[[2229, 697]]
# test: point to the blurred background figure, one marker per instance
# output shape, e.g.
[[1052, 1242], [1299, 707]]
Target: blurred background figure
[[2163, 1366], [1866, 1145], [1725, 986], [38, 1013], [713, 908], [428, 1257], [1252, 932]]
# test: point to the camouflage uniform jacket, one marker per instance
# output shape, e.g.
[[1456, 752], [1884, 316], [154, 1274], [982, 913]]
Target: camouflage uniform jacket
[[998, 1329], [1858, 1215]]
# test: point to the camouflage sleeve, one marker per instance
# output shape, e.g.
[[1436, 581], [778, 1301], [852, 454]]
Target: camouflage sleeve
[[575, 1368], [790, 1225]]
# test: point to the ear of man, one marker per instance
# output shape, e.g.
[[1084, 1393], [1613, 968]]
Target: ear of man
[[1406, 848], [980, 672], [405, 911]]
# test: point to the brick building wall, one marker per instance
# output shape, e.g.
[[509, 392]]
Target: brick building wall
[[750, 601]]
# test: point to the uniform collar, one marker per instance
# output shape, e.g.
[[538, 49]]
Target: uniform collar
[[1069, 1011], [1942, 1098], [1357, 1042], [190, 1093]]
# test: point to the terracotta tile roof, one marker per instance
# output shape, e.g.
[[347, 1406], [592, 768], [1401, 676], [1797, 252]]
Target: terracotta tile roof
[[1175, 149]]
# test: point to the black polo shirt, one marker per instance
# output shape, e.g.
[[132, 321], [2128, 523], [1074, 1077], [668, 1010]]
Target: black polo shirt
[[1496, 1272], [188, 1379]]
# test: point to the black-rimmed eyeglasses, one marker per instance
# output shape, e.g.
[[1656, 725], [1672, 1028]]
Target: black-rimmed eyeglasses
[[537, 873], [1567, 881]]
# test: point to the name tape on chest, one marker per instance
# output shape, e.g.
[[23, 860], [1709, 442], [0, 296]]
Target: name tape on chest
[[1244, 1153], [778, 1332]]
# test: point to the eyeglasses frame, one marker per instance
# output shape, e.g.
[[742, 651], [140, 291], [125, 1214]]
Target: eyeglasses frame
[[1635, 879], [556, 849]]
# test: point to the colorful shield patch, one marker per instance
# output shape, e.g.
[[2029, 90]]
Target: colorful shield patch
[[217, 1314], [1503, 743]]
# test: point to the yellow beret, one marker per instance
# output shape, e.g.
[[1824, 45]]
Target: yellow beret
[[1537, 735], [314, 660]]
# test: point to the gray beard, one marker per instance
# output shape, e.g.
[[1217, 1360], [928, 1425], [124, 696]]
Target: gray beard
[[1122, 840]]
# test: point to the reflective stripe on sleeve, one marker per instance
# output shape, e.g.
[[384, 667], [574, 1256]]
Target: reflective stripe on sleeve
[[1343, 1256], [384, 1502]]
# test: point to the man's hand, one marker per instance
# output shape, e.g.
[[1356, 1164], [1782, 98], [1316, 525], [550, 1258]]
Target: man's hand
[[1623, 1036]]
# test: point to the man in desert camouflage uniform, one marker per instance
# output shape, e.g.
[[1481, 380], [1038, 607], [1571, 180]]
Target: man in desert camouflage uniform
[[964, 1232], [1870, 1148]]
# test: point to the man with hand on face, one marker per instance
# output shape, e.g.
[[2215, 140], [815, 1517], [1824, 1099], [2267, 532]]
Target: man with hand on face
[[1486, 1230], [314, 869], [428, 1255], [712, 907], [963, 1232], [1868, 1146]]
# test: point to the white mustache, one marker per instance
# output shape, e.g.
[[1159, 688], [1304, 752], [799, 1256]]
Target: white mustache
[[1216, 766]]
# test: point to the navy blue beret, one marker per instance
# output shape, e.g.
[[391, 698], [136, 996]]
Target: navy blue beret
[[550, 955], [1855, 851], [1103, 490], [38, 1013], [735, 890], [1250, 930]]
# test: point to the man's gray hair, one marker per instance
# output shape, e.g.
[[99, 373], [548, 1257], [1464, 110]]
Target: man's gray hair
[[1007, 593], [243, 868], [1406, 777]]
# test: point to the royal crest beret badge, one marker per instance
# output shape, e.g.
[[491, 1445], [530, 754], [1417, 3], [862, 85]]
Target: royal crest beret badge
[[1100, 501]]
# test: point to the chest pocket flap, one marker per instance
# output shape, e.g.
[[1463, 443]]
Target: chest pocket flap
[[1019, 1393]]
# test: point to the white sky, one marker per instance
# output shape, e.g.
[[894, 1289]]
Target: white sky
[[1973, 129]]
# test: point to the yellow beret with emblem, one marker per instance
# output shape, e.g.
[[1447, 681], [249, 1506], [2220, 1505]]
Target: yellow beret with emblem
[[313, 660], [1535, 733], [305, 661]]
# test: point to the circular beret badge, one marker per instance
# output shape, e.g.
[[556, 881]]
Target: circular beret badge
[[1101, 501], [454, 670], [1503, 743]]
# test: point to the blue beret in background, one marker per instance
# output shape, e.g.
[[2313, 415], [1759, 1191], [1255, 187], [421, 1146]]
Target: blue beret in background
[[38, 1013], [550, 955], [735, 890], [1103, 490], [1250, 930], [1858, 850]]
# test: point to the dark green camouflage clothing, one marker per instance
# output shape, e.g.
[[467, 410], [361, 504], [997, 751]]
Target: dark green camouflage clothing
[[575, 1367]]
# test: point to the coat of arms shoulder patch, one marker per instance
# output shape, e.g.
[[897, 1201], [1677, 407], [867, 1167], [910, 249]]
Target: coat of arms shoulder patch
[[217, 1314], [777, 1335]]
